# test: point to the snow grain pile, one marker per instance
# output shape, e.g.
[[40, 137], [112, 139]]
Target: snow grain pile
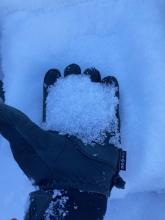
[[57, 208], [77, 106]]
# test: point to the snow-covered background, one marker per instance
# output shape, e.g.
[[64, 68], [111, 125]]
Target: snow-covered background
[[121, 37]]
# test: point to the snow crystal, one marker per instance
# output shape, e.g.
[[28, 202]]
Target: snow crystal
[[79, 107]]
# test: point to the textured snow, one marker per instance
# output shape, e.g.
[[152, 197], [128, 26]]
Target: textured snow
[[77, 106], [123, 38], [57, 206]]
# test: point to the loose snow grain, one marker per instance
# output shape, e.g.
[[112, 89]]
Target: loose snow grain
[[79, 107]]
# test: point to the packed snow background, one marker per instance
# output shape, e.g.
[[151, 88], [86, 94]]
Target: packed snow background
[[121, 37], [79, 107]]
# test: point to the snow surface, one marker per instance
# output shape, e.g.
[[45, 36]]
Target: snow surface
[[79, 107], [124, 38]]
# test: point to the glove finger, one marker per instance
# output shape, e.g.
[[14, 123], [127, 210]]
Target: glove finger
[[72, 69], [93, 73], [51, 77]]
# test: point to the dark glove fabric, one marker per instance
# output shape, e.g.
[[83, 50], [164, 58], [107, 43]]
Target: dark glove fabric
[[58, 160], [66, 205]]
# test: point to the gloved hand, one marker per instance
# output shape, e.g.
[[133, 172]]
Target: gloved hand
[[103, 153]]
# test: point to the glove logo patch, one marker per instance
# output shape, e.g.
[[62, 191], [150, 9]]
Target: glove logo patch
[[123, 160]]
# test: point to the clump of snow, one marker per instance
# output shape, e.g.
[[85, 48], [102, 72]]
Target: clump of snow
[[77, 106], [57, 208]]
